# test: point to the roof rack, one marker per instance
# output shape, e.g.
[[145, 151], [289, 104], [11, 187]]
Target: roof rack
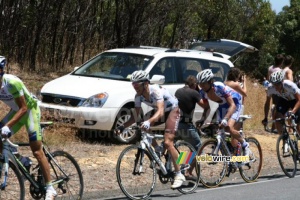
[[151, 47]]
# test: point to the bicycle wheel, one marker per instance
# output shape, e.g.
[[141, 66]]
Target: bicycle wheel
[[68, 169], [15, 188], [212, 173], [251, 170], [136, 172], [192, 181], [287, 160]]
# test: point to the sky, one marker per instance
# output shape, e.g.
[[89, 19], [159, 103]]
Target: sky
[[278, 4]]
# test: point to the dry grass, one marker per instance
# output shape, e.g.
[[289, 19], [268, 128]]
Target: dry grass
[[254, 105]]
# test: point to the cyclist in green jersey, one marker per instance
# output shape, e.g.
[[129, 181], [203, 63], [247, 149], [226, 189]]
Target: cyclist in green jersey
[[24, 111]]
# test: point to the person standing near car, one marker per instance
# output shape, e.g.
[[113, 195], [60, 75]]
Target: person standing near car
[[287, 64], [237, 81], [277, 66], [24, 111], [165, 106], [188, 97]]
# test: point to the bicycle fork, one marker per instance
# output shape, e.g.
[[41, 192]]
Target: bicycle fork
[[5, 166]]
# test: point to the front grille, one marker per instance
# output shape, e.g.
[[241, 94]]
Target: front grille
[[62, 100]]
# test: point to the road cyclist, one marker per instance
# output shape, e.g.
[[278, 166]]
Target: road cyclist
[[24, 111], [230, 105], [165, 107]]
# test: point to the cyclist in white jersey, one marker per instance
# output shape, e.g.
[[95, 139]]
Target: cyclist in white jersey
[[24, 111], [289, 98], [165, 106]]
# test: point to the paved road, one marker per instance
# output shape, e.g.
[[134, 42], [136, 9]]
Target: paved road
[[275, 186]]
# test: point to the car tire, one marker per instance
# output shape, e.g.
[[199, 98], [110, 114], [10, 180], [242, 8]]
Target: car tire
[[128, 136]]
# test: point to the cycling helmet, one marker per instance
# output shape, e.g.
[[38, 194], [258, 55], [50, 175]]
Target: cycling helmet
[[139, 76], [277, 77], [204, 76], [2, 62]]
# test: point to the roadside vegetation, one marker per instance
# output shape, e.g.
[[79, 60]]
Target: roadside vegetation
[[53, 35]]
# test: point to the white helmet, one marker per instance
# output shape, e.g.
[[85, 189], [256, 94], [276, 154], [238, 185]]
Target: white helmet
[[139, 75], [204, 76], [2, 62], [277, 77]]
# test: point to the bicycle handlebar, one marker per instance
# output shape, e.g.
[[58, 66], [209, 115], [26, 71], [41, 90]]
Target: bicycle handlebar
[[149, 135], [9, 142]]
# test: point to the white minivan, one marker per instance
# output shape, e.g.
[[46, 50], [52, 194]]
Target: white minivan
[[99, 95]]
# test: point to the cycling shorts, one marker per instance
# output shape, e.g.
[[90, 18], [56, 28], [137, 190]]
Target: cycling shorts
[[223, 109], [284, 105], [31, 120]]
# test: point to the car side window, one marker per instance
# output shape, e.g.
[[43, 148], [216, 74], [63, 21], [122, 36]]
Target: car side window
[[190, 67], [165, 67], [220, 70]]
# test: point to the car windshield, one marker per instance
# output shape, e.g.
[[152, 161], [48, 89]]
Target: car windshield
[[114, 65]]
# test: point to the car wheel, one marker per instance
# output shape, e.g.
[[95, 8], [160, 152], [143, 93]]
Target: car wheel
[[128, 136]]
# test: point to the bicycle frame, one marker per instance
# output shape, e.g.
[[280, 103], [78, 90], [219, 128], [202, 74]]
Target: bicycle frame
[[8, 155], [145, 143]]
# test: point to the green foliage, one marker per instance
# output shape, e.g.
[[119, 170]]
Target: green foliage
[[54, 34]]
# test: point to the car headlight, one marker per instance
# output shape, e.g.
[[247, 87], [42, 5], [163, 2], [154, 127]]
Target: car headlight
[[97, 100]]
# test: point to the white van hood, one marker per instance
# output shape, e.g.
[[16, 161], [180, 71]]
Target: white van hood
[[82, 87]]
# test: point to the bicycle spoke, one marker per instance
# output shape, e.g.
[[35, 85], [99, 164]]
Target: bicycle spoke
[[72, 185], [192, 180], [286, 157], [136, 173], [211, 173], [251, 170]]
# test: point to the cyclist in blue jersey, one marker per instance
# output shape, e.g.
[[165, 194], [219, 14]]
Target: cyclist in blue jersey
[[230, 104], [165, 107], [24, 111]]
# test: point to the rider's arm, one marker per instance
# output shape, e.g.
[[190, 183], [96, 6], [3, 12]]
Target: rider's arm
[[21, 102], [267, 106], [297, 105], [133, 117], [231, 108], [159, 112], [289, 75]]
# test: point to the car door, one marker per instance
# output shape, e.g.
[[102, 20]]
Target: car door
[[224, 46]]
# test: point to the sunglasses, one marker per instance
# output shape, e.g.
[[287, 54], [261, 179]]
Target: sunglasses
[[277, 83], [137, 84]]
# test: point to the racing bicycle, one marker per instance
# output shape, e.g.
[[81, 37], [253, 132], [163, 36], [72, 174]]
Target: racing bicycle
[[218, 158], [65, 173], [138, 166], [287, 147]]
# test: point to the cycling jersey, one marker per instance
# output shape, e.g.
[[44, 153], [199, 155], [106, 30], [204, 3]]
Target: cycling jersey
[[157, 94], [12, 88], [288, 91], [223, 92]]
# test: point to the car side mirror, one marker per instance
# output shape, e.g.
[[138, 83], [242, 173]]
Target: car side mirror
[[158, 79]]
